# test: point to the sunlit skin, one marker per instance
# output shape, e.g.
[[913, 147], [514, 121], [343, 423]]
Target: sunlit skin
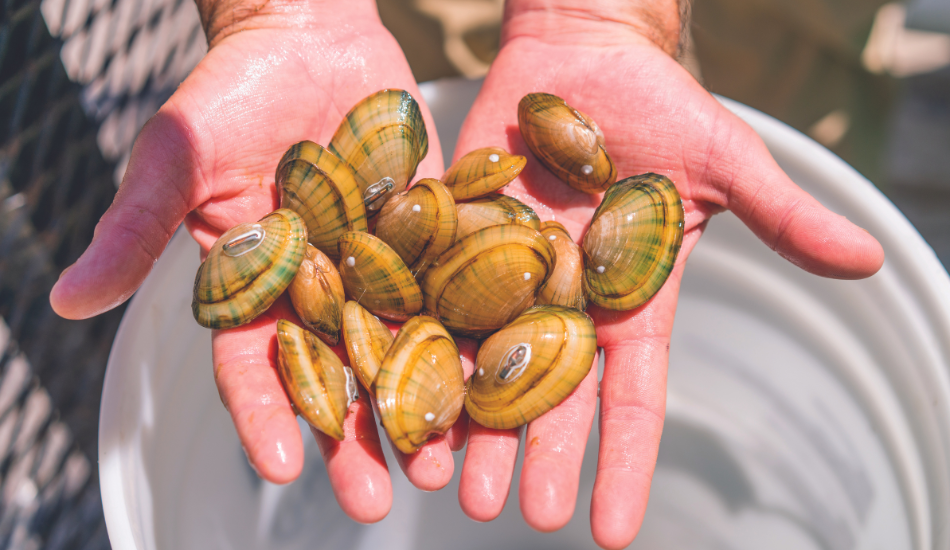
[[208, 158]]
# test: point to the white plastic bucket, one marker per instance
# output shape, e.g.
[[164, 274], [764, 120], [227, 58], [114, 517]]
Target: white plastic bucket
[[803, 413]]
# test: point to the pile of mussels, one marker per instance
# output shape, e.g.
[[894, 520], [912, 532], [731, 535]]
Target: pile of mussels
[[478, 263]]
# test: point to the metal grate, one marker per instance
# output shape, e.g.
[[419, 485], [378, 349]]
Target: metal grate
[[54, 186]]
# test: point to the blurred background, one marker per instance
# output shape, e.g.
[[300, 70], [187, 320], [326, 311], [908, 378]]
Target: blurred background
[[869, 79]]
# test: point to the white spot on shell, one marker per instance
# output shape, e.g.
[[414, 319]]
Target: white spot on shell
[[416, 208], [430, 417], [351, 261], [552, 237], [587, 169], [601, 269], [493, 157], [527, 276], [481, 372], [629, 217]]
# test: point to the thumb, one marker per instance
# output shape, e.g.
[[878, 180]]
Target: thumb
[[158, 189], [790, 221]]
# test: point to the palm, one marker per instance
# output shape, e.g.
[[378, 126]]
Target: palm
[[656, 118]]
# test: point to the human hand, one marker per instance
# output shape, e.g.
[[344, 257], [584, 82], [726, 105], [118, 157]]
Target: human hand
[[274, 75], [613, 61]]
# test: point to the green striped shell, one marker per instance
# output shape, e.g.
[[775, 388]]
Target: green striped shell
[[565, 285], [482, 171], [487, 279], [383, 136], [318, 385], [367, 340], [420, 387], [632, 242], [530, 366], [375, 276], [323, 190], [247, 269], [494, 209], [566, 141], [419, 223]]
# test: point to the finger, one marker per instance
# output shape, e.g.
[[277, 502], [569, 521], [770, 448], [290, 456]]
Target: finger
[[155, 195], [789, 220], [431, 467], [632, 405], [250, 388], [553, 454], [487, 471], [356, 466]]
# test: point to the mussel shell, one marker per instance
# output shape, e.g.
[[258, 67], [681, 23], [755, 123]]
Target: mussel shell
[[323, 190], [565, 285], [382, 136], [367, 340], [317, 295], [376, 277], [247, 269], [487, 279], [420, 387], [482, 171], [530, 366], [317, 383], [566, 141], [633, 242], [493, 209], [419, 223]]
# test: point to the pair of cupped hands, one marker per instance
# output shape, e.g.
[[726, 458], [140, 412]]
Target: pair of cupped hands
[[289, 70]]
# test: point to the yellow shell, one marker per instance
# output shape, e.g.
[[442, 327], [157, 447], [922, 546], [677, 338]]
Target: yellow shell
[[419, 388], [419, 224], [322, 189], [317, 295], [247, 269], [318, 385], [487, 279], [367, 340], [375, 276], [382, 137], [482, 171], [566, 141], [565, 286], [493, 209], [530, 366]]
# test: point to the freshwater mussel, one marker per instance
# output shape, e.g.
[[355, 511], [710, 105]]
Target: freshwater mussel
[[566, 141], [633, 241], [530, 366], [247, 269]]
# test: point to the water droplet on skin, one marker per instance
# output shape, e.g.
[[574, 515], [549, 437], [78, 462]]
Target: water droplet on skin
[[351, 261], [430, 417], [601, 269], [245, 242], [493, 157], [587, 169], [416, 208]]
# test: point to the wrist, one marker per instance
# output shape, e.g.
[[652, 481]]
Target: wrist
[[222, 18], [598, 23]]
